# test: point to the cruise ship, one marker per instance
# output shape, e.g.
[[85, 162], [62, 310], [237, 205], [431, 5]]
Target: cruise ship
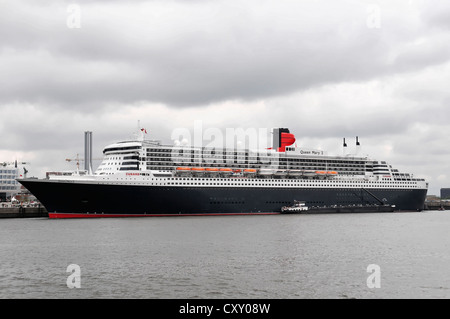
[[141, 177]]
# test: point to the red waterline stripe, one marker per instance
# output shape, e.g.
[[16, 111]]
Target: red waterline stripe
[[75, 215]]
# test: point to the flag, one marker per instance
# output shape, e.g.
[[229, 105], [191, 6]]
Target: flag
[[144, 130]]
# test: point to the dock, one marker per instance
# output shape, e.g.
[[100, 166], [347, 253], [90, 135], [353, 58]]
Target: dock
[[40, 211], [23, 212], [436, 205]]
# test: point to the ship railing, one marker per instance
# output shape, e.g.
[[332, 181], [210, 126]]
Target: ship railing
[[66, 173]]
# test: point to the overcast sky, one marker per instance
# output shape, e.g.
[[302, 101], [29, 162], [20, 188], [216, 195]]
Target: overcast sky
[[325, 69]]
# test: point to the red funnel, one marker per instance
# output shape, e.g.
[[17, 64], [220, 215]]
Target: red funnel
[[286, 140]]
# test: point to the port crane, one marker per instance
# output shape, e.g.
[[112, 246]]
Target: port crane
[[78, 160]]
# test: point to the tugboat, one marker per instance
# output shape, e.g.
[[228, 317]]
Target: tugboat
[[298, 207]]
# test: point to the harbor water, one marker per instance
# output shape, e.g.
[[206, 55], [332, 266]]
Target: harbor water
[[374, 255]]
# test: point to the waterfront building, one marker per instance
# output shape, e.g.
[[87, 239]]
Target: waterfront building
[[9, 187], [445, 193]]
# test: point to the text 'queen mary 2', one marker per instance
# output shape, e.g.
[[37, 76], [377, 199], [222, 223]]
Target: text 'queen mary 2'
[[146, 178]]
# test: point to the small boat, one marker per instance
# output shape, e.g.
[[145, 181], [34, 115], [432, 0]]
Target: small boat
[[298, 207]]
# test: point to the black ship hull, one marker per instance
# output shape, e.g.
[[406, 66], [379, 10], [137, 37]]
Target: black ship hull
[[85, 199]]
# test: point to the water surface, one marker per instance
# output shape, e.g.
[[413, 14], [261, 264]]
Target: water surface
[[274, 256]]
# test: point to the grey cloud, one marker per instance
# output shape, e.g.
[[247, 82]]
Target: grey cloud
[[223, 51], [437, 15]]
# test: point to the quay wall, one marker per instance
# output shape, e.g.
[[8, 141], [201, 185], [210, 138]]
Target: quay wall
[[437, 206], [33, 212], [22, 212]]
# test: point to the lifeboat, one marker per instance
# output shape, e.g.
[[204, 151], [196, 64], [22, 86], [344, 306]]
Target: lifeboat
[[266, 171], [183, 170], [249, 171], [212, 171], [332, 173], [321, 174], [197, 170], [295, 172], [226, 170], [280, 173], [309, 173]]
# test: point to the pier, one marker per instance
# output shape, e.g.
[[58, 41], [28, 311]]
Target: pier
[[40, 211], [23, 212], [437, 205]]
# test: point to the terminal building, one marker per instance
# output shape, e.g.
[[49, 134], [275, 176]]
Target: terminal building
[[9, 186]]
